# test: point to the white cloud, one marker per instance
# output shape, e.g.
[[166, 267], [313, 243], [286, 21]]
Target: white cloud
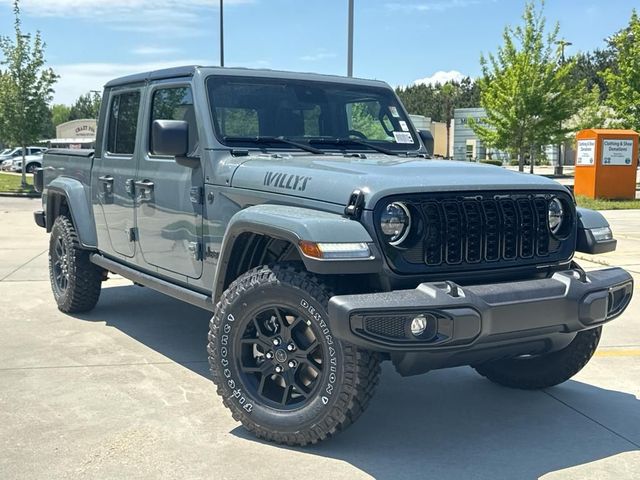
[[152, 51], [430, 6], [440, 77], [78, 78], [146, 16], [113, 8], [319, 54]]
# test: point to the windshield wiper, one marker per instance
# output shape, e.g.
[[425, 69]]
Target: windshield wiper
[[354, 141], [270, 139]]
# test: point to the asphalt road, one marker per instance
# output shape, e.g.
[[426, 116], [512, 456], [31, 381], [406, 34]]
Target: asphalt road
[[123, 392]]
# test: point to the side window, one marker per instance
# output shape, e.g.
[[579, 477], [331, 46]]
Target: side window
[[364, 117], [175, 103], [123, 123]]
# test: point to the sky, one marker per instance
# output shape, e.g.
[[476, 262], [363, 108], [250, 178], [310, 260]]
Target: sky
[[92, 41]]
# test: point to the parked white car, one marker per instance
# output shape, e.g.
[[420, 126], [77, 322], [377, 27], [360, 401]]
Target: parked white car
[[15, 165], [13, 153]]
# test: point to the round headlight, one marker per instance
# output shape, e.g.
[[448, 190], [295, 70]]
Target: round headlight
[[556, 215], [395, 223]]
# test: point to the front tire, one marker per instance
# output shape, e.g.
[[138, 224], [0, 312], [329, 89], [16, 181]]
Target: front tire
[[75, 281], [530, 373], [276, 364]]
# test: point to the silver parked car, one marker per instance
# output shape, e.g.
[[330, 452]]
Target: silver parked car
[[15, 165]]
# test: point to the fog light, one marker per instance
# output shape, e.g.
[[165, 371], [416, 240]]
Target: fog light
[[418, 325]]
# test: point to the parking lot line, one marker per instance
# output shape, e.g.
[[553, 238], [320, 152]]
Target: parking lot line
[[618, 353]]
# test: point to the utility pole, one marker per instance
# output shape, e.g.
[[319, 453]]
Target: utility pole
[[557, 170], [221, 34], [350, 41]]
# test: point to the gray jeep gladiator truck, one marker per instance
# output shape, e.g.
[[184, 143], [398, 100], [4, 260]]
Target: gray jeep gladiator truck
[[305, 212]]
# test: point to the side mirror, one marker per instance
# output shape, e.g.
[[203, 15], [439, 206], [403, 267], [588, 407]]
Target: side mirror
[[171, 138], [427, 139]]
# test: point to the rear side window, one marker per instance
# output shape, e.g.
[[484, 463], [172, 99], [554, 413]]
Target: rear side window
[[123, 123], [175, 103]]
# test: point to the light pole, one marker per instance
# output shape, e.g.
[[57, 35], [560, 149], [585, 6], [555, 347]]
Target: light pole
[[350, 41], [557, 170], [221, 34]]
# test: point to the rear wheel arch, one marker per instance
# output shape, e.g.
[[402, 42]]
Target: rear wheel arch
[[66, 196], [57, 204]]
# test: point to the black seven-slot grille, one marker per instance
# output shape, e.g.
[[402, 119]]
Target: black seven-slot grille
[[464, 231]]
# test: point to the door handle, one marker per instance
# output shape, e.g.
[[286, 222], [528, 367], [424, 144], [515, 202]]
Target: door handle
[[107, 184], [144, 184], [145, 187]]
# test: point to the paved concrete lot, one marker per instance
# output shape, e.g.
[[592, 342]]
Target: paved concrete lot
[[123, 392]]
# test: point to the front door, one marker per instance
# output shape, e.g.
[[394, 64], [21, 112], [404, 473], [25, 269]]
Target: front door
[[169, 196], [113, 176]]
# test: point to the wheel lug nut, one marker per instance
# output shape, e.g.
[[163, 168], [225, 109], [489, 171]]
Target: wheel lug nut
[[292, 364], [278, 369], [269, 355], [276, 341], [291, 347]]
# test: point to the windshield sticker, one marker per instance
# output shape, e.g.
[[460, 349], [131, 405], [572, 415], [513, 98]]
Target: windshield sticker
[[403, 137], [394, 111], [403, 126], [286, 180]]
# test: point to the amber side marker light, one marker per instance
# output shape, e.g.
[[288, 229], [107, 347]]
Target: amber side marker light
[[330, 251]]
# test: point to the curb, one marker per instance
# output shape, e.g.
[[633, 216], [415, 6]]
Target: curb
[[24, 195]]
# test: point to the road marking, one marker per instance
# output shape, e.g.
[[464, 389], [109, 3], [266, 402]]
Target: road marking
[[618, 353]]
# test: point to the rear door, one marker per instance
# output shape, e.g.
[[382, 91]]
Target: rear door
[[169, 196], [113, 175]]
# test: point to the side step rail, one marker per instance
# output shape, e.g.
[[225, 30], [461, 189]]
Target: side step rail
[[162, 286]]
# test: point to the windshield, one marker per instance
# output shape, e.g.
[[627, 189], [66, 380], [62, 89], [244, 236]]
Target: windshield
[[248, 111]]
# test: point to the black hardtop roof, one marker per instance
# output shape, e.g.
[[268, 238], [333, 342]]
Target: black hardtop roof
[[189, 70]]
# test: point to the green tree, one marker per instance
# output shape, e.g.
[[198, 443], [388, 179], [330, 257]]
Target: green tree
[[59, 114], [432, 100], [623, 79], [593, 114], [590, 67], [86, 106], [26, 88], [527, 92]]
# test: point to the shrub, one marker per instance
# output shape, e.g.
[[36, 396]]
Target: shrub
[[497, 163]]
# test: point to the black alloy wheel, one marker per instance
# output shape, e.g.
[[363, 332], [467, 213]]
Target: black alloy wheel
[[280, 357]]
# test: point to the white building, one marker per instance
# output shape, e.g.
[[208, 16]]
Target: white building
[[75, 134]]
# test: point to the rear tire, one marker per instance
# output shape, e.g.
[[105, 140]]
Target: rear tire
[[75, 281], [530, 373], [276, 364]]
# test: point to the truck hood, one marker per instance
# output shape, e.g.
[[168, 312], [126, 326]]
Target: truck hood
[[332, 178]]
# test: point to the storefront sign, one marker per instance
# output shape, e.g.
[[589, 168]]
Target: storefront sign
[[617, 152], [586, 152]]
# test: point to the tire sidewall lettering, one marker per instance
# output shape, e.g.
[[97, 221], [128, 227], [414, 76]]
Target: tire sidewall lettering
[[329, 387]]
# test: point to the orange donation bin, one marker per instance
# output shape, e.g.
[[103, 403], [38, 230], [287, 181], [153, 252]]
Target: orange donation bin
[[606, 164]]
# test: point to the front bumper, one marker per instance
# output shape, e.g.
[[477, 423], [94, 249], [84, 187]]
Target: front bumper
[[476, 323]]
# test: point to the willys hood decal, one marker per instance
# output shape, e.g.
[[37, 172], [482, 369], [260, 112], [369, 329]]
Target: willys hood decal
[[332, 178]]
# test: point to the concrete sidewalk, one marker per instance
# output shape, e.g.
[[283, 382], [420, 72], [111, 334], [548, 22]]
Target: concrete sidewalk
[[124, 392], [625, 225]]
